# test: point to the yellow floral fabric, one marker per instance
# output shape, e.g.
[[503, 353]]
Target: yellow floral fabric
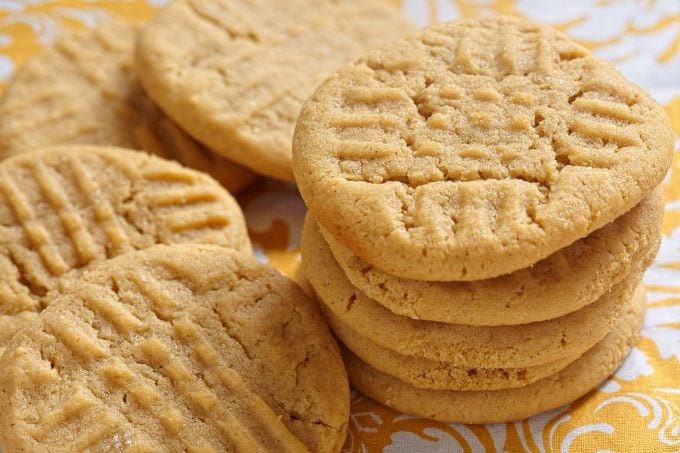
[[638, 409]]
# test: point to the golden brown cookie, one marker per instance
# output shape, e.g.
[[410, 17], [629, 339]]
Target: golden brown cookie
[[176, 348], [497, 406], [475, 148], [65, 209], [579, 273], [518, 346], [433, 374], [84, 90], [235, 74]]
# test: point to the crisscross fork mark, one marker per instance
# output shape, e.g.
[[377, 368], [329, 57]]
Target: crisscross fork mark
[[104, 213], [179, 197], [118, 375], [75, 53], [74, 408], [107, 307], [14, 295], [81, 239], [195, 219], [35, 232], [268, 421], [192, 389], [219, 26], [73, 334], [376, 95], [196, 395], [169, 173], [608, 109], [609, 112]]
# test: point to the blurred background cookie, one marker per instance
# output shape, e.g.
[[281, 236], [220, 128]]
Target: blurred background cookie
[[235, 74], [84, 90]]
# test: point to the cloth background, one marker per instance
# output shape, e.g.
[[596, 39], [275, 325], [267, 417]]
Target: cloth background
[[638, 409]]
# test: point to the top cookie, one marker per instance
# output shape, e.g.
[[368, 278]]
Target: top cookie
[[84, 90], [176, 348], [476, 148], [235, 74]]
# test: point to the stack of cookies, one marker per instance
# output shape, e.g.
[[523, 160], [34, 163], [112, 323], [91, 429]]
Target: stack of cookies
[[483, 203]]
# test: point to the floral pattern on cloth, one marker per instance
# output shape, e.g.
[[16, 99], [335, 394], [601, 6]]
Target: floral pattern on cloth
[[638, 408]]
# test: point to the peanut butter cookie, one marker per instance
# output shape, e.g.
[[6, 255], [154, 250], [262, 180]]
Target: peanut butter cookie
[[438, 374], [176, 348], [84, 90], [235, 74], [65, 209], [513, 346], [475, 148]]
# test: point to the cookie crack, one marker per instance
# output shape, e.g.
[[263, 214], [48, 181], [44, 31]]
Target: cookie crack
[[232, 334]]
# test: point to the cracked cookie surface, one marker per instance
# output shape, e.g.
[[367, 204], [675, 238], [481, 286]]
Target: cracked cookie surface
[[173, 348], [243, 69], [475, 148], [579, 273], [65, 209], [84, 90]]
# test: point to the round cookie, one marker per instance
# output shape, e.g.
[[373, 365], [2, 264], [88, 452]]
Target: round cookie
[[437, 375], [579, 273], [497, 406], [84, 90], [235, 74], [475, 148], [65, 209], [519, 346], [176, 348]]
